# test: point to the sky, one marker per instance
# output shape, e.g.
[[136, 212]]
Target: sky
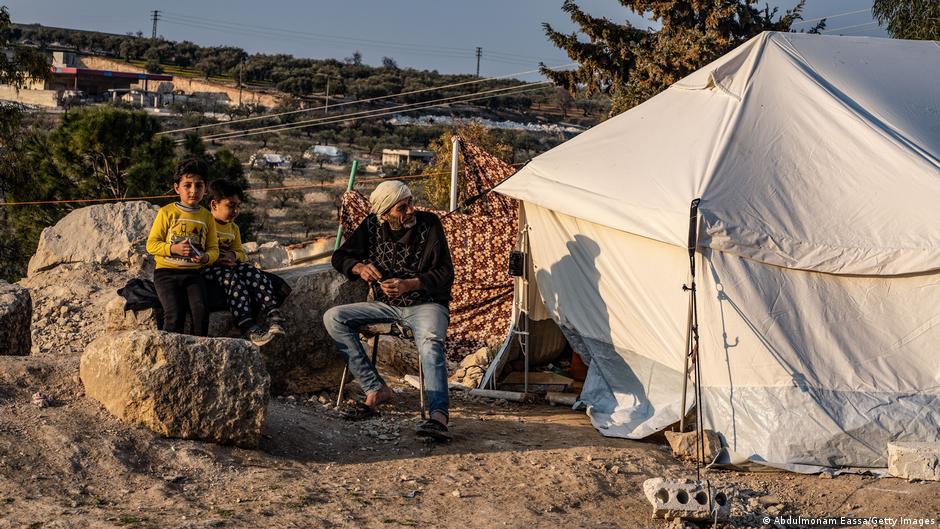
[[425, 34]]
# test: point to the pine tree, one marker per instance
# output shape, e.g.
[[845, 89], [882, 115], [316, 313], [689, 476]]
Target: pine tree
[[632, 64]]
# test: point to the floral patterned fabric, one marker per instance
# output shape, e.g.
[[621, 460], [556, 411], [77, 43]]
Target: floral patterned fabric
[[479, 242]]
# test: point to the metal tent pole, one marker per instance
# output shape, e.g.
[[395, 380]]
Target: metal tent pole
[[349, 186]]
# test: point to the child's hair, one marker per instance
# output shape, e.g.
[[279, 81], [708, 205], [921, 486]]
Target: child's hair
[[221, 189], [191, 166]]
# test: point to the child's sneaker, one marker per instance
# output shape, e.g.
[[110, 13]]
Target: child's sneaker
[[276, 322], [258, 337]]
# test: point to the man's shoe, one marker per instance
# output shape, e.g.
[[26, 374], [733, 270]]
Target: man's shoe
[[433, 429]]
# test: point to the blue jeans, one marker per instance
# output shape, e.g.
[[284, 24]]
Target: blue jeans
[[427, 321]]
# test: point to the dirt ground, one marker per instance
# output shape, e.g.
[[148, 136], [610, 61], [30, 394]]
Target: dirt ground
[[509, 465]]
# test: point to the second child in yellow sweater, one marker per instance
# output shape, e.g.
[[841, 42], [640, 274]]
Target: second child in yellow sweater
[[248, 291], [183, 240]]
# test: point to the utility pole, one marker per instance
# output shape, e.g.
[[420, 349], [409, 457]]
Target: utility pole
[[155, 15], [479, 54], [326, 105], [241, 71]]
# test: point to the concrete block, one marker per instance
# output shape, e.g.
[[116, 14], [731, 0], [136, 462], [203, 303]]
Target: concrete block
[[914, 460], [687, 499]]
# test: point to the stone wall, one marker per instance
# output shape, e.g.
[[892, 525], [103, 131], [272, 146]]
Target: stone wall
[[44, 98]]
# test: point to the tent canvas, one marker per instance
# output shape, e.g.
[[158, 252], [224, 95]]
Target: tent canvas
[[817, 161]]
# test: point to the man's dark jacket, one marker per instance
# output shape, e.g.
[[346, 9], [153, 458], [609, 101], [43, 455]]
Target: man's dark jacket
[[420, 251]]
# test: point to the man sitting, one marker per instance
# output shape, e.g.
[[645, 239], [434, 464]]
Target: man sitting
[[403, 255]]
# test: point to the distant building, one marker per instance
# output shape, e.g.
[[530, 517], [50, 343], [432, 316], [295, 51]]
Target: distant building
[[66, 78], [330, 153], [269, 161], [399, 157]]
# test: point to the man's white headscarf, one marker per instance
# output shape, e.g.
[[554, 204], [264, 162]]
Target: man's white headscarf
[[386, 195]]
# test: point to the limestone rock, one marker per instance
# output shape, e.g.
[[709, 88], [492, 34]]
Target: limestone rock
[[914, 460], [684, 445], [269, 256], [305, 360], [472, 368], [16, 314], [212, 389], [96, 234], [221, 323]]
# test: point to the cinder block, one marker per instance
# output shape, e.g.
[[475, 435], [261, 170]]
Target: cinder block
[[687, 499], [914, 460]]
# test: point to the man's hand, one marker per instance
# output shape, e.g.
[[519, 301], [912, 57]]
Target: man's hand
[[394, 288], [368, 272], [182, 249]]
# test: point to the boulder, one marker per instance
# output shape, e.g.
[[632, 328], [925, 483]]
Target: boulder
[[269, 256], [97, 234], [221, 323], [684, 445], [16, 314], [211, 389], [914, 460], [305, 360]]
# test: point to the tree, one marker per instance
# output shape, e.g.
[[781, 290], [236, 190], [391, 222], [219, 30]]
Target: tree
[[909, 19], [355, 60], [389, 63], [23, 64], [110, 152], [632, 64], [437, 186]]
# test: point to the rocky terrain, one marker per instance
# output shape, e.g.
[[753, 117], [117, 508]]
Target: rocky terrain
[[66, 461]]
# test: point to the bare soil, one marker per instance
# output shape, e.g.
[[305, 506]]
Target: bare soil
[[509, 465]]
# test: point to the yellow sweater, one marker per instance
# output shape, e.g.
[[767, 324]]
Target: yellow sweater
[[230, 239], [175, 223]]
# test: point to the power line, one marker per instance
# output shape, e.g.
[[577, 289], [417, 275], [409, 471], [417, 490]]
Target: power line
[[850, 27], [248, 190], [367, 100], [462, 52], [268, 34], [837, 15], [372, 113]]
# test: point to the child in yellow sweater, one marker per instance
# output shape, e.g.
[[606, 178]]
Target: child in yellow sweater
[[247, 290], [183, 240]]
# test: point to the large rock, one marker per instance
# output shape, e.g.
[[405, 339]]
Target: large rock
[[97, 234], [914, 460], [16, 313], [306, 359], [269, 256], [211, 389], [221, 323], [303, 361]]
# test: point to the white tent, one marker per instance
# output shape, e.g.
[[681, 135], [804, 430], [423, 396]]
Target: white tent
[[817, 161]]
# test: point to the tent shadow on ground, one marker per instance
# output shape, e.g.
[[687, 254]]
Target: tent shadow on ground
[[315, 435]]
